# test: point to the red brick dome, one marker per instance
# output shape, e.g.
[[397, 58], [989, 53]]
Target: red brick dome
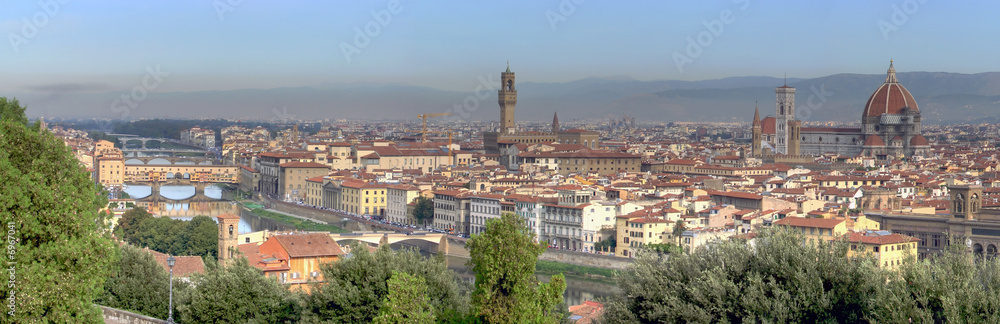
[[889, 98], [874, 140], [919, 140]]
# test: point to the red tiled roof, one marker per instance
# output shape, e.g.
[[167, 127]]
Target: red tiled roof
[[809, 222], [309, 245], [767, 125], [872, 238], [296, 164], [184, 266]]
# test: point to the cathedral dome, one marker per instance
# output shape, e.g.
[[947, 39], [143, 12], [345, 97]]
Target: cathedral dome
[[919, 140], [890, 98]]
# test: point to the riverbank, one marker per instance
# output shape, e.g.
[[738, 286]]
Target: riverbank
[[580, 272], [298, 223]]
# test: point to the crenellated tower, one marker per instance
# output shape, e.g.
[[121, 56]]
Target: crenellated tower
[[507, 97]]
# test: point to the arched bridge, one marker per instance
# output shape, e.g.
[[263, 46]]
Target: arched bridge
[[167, 160], [144, 140], [141, 174], [385, 238]]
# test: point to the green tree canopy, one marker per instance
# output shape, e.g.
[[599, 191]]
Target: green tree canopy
[[407, 301], [776, 278], [423, 209], [507, 291], [11, 110], [199, 236], [138, 284], [238, 293], [354, 288], [128, 224], [49, 207]]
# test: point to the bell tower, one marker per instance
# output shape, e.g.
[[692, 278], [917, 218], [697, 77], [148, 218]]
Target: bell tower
[[507, 97], [755, 148], [784, 102], [965, 201], [229, 231]]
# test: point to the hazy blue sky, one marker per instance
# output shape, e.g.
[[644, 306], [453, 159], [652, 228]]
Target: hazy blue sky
[[108, 45]]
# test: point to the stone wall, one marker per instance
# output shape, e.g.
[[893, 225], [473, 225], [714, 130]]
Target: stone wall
[[317, 214], [117, 316], [586, 259]]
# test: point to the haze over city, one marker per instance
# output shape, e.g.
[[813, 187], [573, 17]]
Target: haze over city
[[551, 161], [76, 58]]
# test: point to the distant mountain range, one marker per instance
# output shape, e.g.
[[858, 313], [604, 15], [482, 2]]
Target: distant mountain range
[[942, 97]]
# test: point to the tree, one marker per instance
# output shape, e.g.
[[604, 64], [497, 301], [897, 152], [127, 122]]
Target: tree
[[423, 209], [407, 301], [12, 111], [779, 279], [49, 208], [507, 291], [128, 224], [237, 293], [353, 289], [679, 229], [668, 248], [137, 284], [199, 236], [608, 244]]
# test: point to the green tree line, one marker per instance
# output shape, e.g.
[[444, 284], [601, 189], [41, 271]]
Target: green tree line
[[199, 236], [775, 278]]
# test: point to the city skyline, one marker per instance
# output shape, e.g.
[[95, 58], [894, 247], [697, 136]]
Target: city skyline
[[227, 45]]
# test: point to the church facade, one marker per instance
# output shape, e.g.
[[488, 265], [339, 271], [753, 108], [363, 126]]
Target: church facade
[[890, 127]]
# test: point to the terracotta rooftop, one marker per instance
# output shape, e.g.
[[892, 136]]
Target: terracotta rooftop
[[309, 245], [809, 222]]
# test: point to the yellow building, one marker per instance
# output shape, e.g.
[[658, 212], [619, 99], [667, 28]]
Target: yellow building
[[816, 230], [889, 250], [110, 169], [641, 228], [293, 175], [851, 182], [314, 191], [363, 198]]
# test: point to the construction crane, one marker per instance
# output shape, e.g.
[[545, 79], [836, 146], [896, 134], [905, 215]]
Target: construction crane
[[423, 132], [450, 133]]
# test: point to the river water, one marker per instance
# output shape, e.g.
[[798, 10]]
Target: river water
[[578, 290]]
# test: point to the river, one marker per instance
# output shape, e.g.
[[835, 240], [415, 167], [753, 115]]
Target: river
[[578, 289]]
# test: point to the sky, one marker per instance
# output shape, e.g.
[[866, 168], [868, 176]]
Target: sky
[[67, 46]]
